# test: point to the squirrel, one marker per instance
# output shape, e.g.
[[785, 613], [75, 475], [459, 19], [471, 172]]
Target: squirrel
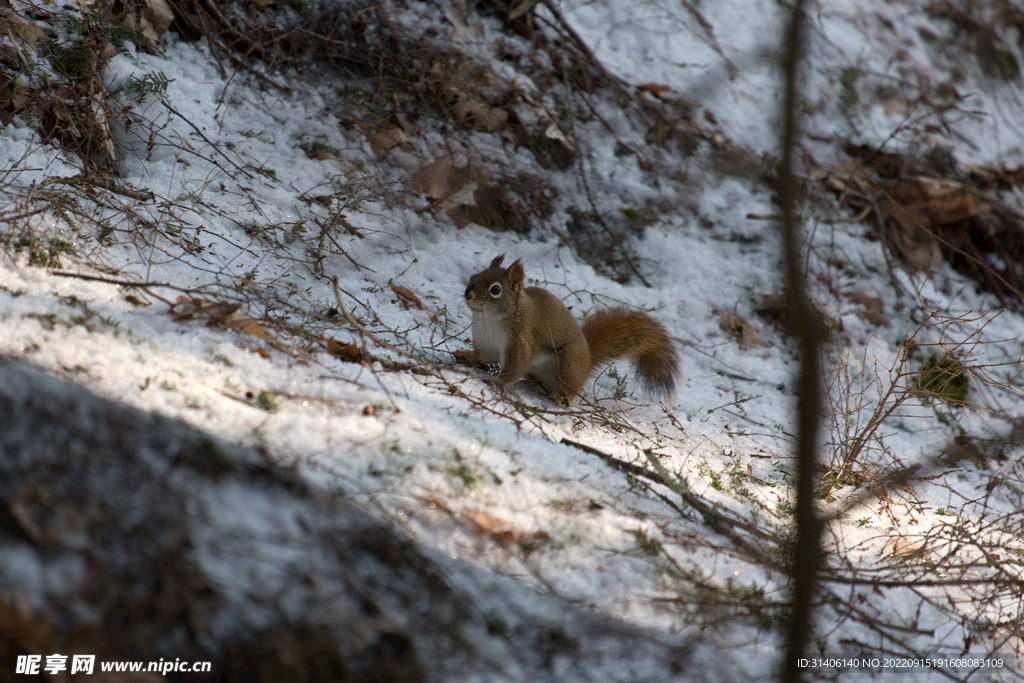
[[529, 331]]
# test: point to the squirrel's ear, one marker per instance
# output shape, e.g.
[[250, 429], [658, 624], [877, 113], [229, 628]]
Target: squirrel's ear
[[496, 263], [515, 274]]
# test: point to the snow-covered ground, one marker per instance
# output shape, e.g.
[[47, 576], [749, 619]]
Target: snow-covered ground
[[504, 485]]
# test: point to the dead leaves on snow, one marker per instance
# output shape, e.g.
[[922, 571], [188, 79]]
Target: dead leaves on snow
[[223, 315], [737, 327], [347, 352], [466, 196], [485, 525], [929, 210], [74, 106], [408, 295], [452, 187]]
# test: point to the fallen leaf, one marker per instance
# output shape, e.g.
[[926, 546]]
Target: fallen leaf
[[908, 550], [867, 301], [939, 202], [553, 132], [187, 308], [220, 314], [491, 119], [654, 88], [439, 178], [457, 14], [873, 307], [26, 30], [489, 525], [908, 233], [407, 294], [388, 136], [408, 128], [249, 326], [349, 352], [454, 187], [736, 326]]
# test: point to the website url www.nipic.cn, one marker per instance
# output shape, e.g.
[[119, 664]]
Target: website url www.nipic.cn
[[86, 664]]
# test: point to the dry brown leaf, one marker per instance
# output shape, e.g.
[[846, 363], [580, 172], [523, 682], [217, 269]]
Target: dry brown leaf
[[654, 88], [249, 326], [873, 307], [463, 194], [407, 294], [219, 314], [907, 550], [458, 15], [468, 105], [188, 308], [408, 128], [439, 178], [909, 236], [737, 327], [26, 30], [387, 136], [349, 352], [156, 18], [489, 525], [365, 127], [554, 132], [939, 202], [866, 300]]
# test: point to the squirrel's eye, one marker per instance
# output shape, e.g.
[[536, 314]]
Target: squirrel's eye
[[495, 290]]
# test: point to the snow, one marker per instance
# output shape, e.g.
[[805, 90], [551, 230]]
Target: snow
[[439, 447]]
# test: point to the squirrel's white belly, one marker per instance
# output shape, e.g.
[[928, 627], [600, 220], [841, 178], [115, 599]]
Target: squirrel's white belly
[[490, 337]]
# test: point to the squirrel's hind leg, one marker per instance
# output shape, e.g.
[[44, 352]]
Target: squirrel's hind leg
[[559, 376]]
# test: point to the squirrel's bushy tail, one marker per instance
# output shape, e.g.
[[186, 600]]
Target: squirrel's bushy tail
[[621, 333]]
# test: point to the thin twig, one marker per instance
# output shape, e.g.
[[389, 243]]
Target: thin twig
[[200, 133], [108, 185]]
